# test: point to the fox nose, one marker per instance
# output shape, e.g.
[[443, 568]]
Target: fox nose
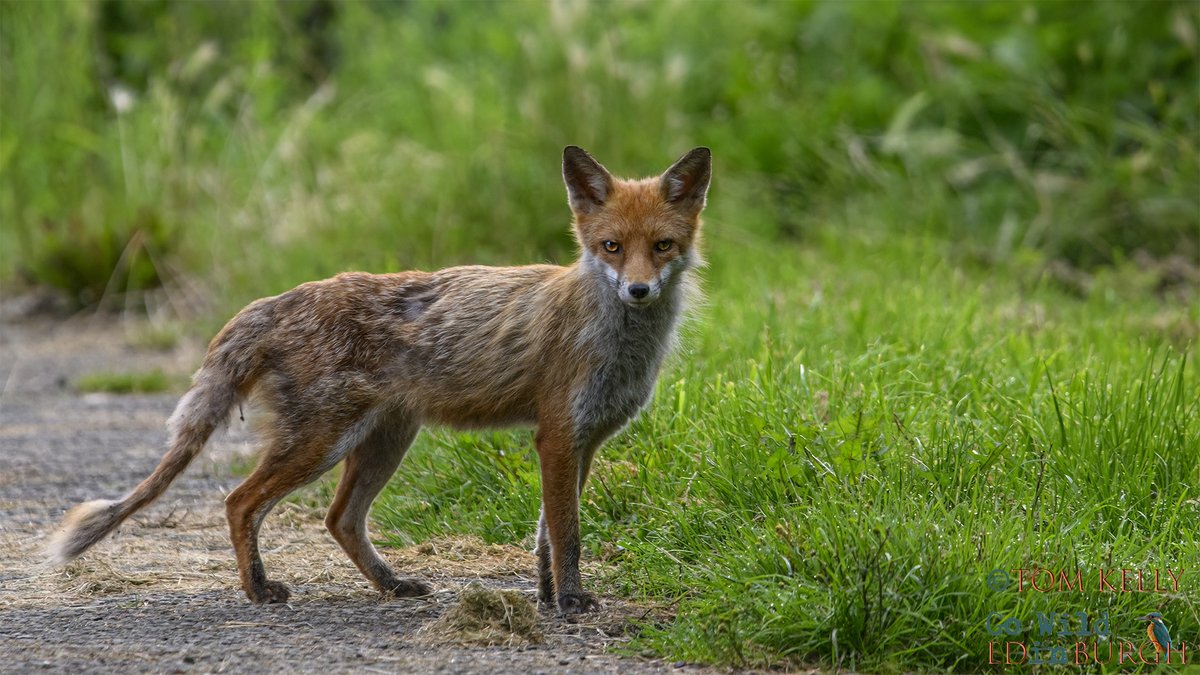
[[639, 291]]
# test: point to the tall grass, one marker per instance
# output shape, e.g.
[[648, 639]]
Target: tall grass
[[927, 352], [144, 142]]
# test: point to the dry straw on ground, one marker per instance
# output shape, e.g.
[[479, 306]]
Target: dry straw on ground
[[487, 617], [463, 556]]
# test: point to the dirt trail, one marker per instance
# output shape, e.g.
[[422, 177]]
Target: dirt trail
[[162, 595]]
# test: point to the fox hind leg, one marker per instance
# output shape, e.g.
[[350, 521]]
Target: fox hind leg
[[545, 569], [246, 507], [290, 462], [367, 470]]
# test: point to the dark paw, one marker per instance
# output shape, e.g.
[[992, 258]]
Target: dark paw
[[271, 592], [577, 603], [546, 592], [407, 588]]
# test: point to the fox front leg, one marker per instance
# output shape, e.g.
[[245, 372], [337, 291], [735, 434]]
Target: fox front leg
[[558, 526]]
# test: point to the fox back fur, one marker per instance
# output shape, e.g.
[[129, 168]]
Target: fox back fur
[[351, 367]]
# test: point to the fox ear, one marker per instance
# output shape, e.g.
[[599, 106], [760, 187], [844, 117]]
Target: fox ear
[[685, 184], [588, 183]]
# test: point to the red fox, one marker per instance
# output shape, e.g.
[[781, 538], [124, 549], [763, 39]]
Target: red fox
[[350, 368]]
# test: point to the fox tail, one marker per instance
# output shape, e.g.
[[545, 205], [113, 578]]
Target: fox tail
[[229, 370]]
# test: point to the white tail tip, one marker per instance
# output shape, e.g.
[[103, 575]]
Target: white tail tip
[[81, 527]]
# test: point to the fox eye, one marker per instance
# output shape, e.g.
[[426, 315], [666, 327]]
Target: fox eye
[[612, 247], [664, 245]]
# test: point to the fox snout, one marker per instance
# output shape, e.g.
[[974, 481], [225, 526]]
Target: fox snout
[[639, 294], [642, 283]]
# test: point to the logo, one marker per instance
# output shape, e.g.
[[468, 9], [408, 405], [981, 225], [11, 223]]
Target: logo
[[1068, 635]]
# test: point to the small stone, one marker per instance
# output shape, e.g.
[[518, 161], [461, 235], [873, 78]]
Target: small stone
[[679, 664]]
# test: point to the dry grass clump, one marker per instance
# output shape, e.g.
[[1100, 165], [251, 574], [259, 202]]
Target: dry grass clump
[[487, 617]]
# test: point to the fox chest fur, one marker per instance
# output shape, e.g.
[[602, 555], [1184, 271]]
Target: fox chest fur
[[629, 346]]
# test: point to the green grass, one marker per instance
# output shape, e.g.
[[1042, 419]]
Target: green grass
[[149, 382], [951, 321]]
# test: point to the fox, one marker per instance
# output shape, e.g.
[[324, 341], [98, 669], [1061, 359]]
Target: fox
[[348, 369]]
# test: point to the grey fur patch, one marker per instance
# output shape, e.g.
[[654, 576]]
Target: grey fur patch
[[349, 440], [632, 343], [412, 300]]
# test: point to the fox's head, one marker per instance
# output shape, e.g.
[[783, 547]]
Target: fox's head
[[640, 234]]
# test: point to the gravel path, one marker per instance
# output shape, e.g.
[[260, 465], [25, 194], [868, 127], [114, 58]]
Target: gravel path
[[161, 595]]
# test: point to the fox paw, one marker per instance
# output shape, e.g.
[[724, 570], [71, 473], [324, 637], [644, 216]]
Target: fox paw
[[577, 603], [272, 592], [406, 588]]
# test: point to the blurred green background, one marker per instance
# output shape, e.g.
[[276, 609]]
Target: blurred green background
[[952, 314], [257, 145]]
